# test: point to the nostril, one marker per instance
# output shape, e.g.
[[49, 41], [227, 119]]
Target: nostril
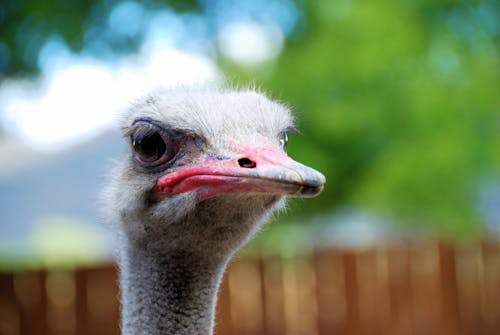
[[246, 163]]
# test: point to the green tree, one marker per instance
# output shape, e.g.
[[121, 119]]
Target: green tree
[[399, 104]]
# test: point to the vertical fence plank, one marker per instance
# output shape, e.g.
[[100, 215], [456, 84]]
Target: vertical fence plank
[[306, 297], [223, 323], [274, 319], [373, 291], [29, 287], [468, 283], [261, 263], [9, 310], [400, 292], [351, 293], [425, 288], [384, 307], [290, 298], [81, 308], [61, 297], [330, 288], [245, 296], [491, 286], [102, 300], [449, 289]]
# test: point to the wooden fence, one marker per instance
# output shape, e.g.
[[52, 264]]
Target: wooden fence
[[414, 288]]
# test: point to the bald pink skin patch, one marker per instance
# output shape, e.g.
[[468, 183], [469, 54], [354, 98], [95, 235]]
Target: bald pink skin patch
[[270, 171]]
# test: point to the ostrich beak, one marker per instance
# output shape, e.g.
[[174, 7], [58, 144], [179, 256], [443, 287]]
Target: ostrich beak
[[252, 170]]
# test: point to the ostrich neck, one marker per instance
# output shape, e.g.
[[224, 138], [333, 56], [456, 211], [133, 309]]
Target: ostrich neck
[[169, 292]]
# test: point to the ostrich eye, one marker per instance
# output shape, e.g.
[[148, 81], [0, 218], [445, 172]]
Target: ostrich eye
[[283, 137], [151, 146]]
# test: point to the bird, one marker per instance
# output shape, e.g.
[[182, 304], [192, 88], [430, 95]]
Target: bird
[[205, 168]]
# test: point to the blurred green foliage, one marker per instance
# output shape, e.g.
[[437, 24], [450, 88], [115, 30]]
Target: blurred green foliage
[[399, 102]]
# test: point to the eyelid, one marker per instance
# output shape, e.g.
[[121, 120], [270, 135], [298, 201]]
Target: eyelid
[[293, 130], [177, 133], [142, 131], [145, 127]]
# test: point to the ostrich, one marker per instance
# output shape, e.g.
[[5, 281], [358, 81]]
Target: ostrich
[[206, 168]]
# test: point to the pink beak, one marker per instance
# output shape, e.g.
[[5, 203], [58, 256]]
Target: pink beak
[[263, 170]]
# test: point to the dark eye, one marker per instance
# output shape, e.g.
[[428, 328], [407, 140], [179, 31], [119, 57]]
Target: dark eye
[[151, 146], [283, 137]]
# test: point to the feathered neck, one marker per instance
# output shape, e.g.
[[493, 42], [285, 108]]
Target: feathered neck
[[171, 292]]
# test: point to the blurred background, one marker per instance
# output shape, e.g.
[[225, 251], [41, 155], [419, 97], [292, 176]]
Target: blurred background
[[398, 103]]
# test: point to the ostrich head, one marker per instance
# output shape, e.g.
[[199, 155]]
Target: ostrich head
[[204, 170]]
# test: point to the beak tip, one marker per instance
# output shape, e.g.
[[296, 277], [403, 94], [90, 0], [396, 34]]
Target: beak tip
[[310, 191], [315, 181]]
